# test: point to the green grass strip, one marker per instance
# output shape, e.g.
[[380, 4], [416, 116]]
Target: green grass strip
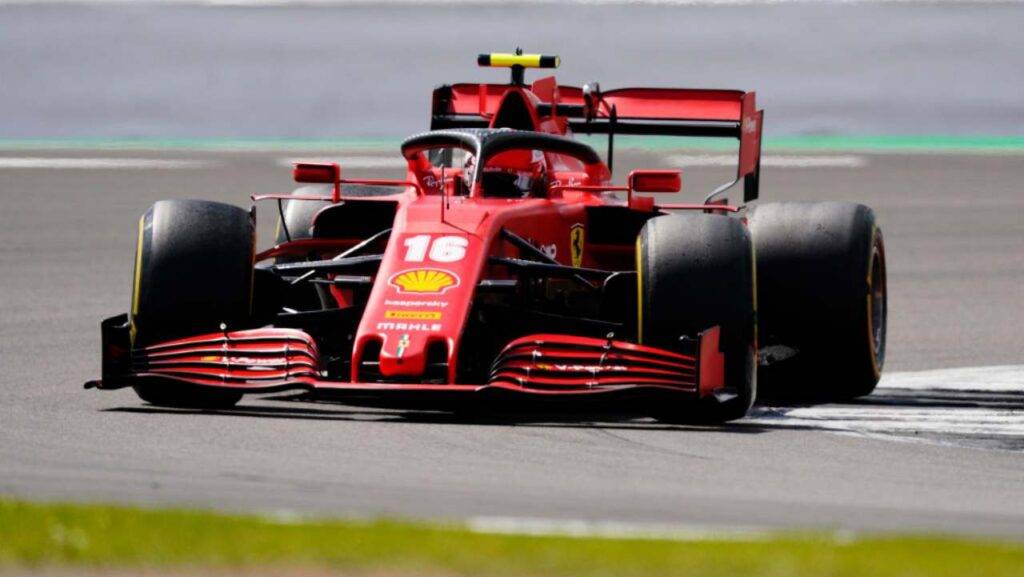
[[90, 536], [978, 144]]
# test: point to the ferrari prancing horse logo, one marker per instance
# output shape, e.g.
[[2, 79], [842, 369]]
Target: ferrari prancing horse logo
[[576, 244]]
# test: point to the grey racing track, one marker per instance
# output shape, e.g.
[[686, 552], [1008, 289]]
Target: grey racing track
[[953, 226], [955, 241]]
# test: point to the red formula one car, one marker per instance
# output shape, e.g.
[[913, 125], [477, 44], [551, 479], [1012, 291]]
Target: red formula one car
[[506, 260]]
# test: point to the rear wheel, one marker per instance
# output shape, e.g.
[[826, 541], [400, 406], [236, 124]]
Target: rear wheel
[[695, 272], [822, 296], [193, 274]]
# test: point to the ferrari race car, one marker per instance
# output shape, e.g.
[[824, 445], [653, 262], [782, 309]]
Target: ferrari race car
[[507, 261]]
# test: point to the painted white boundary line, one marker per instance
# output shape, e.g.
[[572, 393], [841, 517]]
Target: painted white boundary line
[[906, 420], [773, 160], [612, 529], [898, 420], [99, 163], [1002, 378], [381, 161]]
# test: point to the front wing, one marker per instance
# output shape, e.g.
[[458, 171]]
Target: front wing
[[275, 359]]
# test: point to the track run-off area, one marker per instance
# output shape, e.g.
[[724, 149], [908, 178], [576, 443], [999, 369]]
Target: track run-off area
[[938, 447]]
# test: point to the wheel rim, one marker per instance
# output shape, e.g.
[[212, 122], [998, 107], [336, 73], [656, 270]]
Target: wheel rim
[[877, 303]]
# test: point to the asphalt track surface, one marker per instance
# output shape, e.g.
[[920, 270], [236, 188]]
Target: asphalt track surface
[[955, 241]]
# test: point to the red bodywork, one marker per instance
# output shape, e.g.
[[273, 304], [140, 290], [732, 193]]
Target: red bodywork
[[442, 247]]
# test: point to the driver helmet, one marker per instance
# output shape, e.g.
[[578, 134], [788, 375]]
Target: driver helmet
[[514, 174]]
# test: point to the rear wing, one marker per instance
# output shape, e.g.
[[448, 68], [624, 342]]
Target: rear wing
[[633, 111]]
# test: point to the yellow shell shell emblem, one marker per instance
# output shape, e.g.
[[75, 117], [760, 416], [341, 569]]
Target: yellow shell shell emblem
[[424, 281]]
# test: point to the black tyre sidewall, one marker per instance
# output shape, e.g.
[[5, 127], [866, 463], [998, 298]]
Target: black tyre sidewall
[[813, 266], [195, 270], [194, 274], [180, 395], [298, 214], [696, 272], [298, 225]]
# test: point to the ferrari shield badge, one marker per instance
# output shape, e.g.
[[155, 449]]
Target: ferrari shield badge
[[576, 244]]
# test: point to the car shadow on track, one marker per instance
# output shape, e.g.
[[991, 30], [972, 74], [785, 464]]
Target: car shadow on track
[[588, 417], [772, 415]]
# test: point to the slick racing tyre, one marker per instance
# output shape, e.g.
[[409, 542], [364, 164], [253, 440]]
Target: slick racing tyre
[[193, 273], [695, 272], [297, 223], [822, 298]]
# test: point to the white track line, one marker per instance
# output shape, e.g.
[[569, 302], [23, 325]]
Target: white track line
[[945, 423], [611, 529], [1003, 378], [392, 161], [99, 163], [900, 420], [779, 161]]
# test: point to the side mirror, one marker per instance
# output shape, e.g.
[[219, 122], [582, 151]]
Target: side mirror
[[320, 173], [651, 181], [655, 181]]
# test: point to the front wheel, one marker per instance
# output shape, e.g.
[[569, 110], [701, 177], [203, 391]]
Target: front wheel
[[695, 271], [193, 275]]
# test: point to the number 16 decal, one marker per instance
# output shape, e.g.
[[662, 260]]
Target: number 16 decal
[[442, 249]]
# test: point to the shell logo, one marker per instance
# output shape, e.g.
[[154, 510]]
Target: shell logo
[[423, 281]]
